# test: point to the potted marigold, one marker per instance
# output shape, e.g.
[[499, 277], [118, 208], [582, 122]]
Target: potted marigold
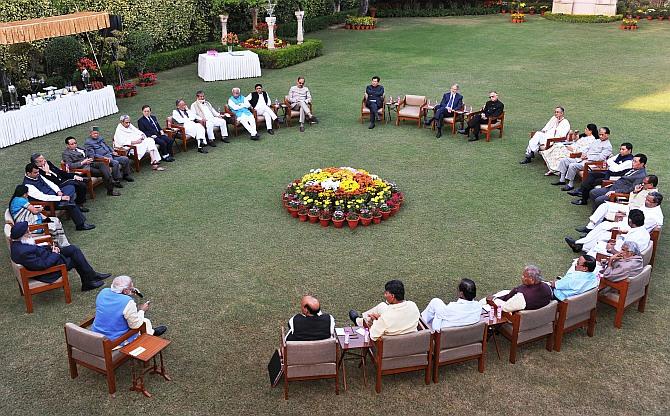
[[338, 218], [365, 217], [376, 215], [293, 206], [352, 219], [543, 10], [518, 18], [324, 218], [385, 210], [302, 213], [629, 24], [313, 215]]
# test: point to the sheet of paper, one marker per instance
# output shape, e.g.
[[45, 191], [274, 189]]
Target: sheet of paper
[[339, 331], [360, 331], [137, 351]]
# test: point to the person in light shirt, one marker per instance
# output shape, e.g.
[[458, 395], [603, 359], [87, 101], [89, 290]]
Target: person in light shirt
[[557, 126], [582, 279], [210, 117], [260, 101], [192, 124], [464, 311], [394, 316], [128, 135], [242, 109]]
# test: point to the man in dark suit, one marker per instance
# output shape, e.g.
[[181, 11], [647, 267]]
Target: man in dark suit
[[148, 124], [374, 99], [617, 166], [96, 147], [492, 108], [625, 184], [61, 178], [451, 101], [25, 252], [75, 157]]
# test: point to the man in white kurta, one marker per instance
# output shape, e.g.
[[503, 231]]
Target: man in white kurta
[[598, 151], [212, 118], [636, 200], [637, 232], [557, 126], [191, 124], [464, 311], [260, 101], [126, 135]]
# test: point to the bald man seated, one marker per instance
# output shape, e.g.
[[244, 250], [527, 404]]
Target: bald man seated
[[310, 324]]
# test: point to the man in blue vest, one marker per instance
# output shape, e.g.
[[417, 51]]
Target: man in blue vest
[[25, 252], [311, 324], [116, 312]]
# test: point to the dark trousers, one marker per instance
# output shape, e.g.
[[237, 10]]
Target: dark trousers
[[597, 196], [79, 189], [374, 110], [474, 122], [100, 170], [71, 206], [120, 165], [164, 144], [440, 114], [594, 179], [74, 258]]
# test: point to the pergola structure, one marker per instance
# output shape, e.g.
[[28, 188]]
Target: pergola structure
[[51, 27]]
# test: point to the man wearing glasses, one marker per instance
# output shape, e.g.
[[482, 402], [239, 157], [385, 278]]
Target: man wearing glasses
[[557, 126], [492, 108], [76, 158], [582, 279], [299, 97]]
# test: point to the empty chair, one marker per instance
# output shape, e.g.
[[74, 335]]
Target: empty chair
[[623, 293], [459, 344], [411, 107], [576, 312], [529, 326], [310, 360]]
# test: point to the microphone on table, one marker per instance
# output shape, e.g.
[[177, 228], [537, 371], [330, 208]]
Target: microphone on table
[[137, 292]]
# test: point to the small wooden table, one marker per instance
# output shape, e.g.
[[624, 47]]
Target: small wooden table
[[492, 328], [152, 346], [357, 347], [390, 106]]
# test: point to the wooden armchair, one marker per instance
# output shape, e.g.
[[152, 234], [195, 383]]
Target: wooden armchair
[[457, 116], [493, 123], [177, 132], [598, 166], [50, 208], [623, 293], [291, 113], [28, 285], [95, 352], [92, 181], [130, 151], [654, 236], [260, 119], [403, 353], [309, 360], [365, 112], [576, 312], [529, 326], [411, 107], [459, 344], [550, 142], [619, 197]]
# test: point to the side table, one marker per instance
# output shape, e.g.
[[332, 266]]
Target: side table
[[357, 348], [153, 346], [390, 106]]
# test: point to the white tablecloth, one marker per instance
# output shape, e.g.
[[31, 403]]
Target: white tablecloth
[[34, 121], [239, 64]]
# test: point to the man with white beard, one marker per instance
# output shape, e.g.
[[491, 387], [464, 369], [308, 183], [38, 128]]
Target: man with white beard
[[34, 257]]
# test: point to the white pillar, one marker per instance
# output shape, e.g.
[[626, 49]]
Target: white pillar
[[224, 29], [271, 31], [300, 15]]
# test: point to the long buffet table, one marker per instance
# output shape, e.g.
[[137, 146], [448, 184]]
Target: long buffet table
[[34, 121], [225, 65]]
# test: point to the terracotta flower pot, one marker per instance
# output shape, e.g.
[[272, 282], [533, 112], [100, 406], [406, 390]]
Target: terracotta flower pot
[[324, 222], [353, 223], [377, 220], [294, 212], [395, 209], [302, 217], [133, 93], [365, 221], [313, 218], [338, 223], [386, 215]]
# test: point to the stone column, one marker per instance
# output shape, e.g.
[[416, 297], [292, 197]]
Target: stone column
[[271, 31], [300, 15], [224, 29]]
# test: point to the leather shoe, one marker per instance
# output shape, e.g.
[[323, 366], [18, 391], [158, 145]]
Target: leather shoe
[[211, 143], [91, 285], [439, 133], [557, 183], [576, 248], [582, 229], [473, 139], [302, 129], [428, 122], [112, 192], [462, 131], [225, 139], [159, 330], [102, 276], [254, 137], [202, 150], [353, 315], [85, 227], [128, 179], [371, 126], [567, 188], [578, 202], [83, 209], [525, 161], [271, 132], [575, 192], [117, 184]]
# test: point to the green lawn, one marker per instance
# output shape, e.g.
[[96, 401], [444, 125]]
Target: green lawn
[[225, 266]]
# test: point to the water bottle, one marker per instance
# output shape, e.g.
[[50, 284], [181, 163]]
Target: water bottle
[[499, 311], [346, 338], [67, 167], [491, 315], [367, 335]]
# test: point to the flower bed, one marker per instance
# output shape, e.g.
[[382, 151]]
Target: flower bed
[[146, 79], [342, 195], [360, 22], [127, 89], [257, 42]]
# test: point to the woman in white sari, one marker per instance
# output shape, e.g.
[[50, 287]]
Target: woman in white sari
[[126, 134], [553, 155]]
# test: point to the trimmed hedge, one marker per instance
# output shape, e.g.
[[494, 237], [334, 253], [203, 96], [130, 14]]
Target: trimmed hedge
[[570, 18], [290, 55], [437, 11], [179, 57], [311, 24]]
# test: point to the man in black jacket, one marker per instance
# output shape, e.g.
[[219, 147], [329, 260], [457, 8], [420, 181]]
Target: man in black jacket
[[492, 108], [625, 184], [311, 324], [374, 99], [61, 178], [148, 124]]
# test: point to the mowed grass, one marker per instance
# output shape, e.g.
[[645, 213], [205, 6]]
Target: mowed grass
[[208, 242]]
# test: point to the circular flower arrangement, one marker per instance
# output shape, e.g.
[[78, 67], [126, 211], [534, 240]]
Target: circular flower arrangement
[[342, 194]]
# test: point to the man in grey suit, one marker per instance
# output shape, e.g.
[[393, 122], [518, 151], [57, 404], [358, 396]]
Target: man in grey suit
[[75, 157], [625, 184]]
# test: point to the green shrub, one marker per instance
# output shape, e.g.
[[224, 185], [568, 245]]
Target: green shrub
[[61, 55], [140, 45], [582, 18], [453, 10], [311, 24], [290, 55], [179, 57]]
